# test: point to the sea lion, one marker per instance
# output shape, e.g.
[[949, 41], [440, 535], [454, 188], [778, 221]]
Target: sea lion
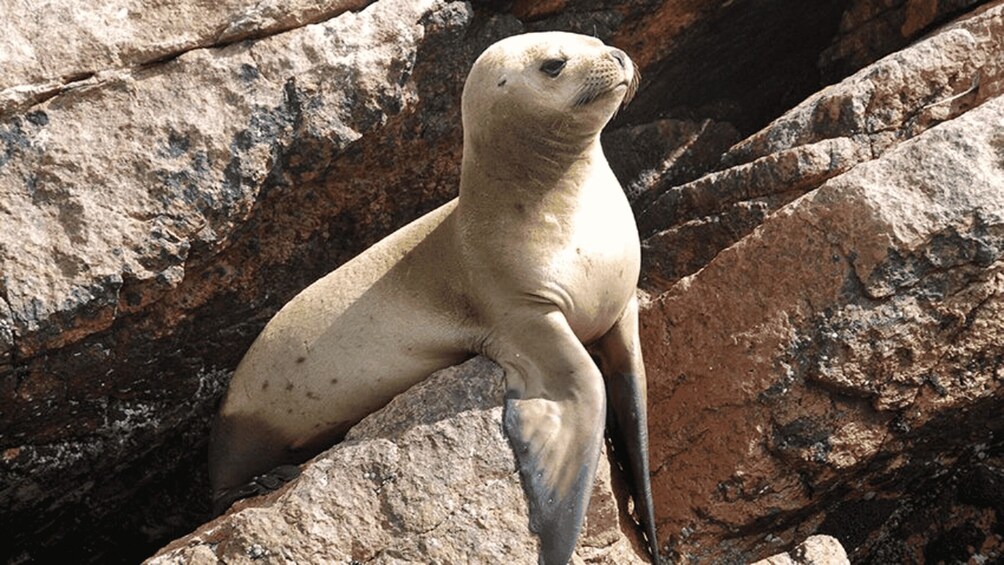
[[536, 260]]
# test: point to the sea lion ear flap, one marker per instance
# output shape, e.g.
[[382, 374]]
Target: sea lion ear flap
[[557, 445]]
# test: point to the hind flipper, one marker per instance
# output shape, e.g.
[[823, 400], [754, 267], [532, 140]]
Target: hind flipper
[[624, 372]]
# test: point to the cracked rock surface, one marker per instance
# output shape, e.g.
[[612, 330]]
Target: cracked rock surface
[[849, 347]]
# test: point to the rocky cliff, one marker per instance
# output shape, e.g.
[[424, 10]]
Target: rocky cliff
[[819, 186]]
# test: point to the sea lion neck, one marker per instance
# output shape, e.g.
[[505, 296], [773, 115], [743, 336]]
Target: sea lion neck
[[522, 162]]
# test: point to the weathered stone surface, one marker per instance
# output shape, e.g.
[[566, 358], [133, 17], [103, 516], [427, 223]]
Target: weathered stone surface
[[715, 211], [665, 153], [870, 29], [957, 68], [747, 62], [428, 479], [66, 43], [849, 345], [180, 164], [816, 550], [857, 120]]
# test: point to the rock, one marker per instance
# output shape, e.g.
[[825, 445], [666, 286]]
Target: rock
[[955, 69], [815, 550], [851, 344], [855, 121], [715, 211], [652, 157], [65, 45], [428, 479], [745, 63], [145, 214], [869, 30]]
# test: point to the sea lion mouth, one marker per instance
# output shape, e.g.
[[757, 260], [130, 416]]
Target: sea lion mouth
[[592, 92], [632, 87]]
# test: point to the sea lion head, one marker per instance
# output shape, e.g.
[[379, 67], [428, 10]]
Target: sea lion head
[[550, 86]]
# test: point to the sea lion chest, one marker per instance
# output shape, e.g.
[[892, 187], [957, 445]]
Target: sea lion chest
[[594, 272], [577, 250]]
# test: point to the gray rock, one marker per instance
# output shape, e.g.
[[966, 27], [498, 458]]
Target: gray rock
[[66, 44], [428, 479]]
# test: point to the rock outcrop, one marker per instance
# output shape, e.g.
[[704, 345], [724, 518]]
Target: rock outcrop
[[428, 479], [849, 346], [822, 332]]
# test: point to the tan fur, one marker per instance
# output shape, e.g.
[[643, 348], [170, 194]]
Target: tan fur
[[538, 256]]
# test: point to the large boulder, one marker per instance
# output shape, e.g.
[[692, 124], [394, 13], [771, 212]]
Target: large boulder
[[687, 223], [428, 479], [813, 375], [155, 219]]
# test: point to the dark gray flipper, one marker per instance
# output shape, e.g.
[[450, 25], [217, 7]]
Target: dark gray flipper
[[627, 403], [554, 418], [555, 518], [624, 371]]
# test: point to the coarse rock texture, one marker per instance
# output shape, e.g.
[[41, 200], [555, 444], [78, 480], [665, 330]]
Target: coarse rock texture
[[155, 221], [50, 49], [172, 172], [815, 550], [847, 350], [857, 120], [411, 484]]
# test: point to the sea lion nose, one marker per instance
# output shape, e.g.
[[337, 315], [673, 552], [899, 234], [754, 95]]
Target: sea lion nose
[[619, 56]]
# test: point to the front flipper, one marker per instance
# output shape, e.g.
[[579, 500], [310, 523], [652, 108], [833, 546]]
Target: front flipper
[[554, 415], [624, 371], [258, 485]]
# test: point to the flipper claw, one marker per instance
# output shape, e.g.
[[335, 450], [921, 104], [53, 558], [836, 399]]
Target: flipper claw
[[261, 484]]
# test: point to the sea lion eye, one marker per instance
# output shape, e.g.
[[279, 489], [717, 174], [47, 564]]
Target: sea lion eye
[[553, 67]]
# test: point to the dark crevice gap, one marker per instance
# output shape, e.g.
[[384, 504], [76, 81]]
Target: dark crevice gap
[[746, 65]]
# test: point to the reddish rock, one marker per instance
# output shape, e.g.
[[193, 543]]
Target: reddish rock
[[849, 343], [830, 132]]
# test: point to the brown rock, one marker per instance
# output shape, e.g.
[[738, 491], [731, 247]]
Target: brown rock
[[869, 30], [849, 341], [156, 213], [715, 211], [428, 479], [957, 68], [857, 120], [665, 153]]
